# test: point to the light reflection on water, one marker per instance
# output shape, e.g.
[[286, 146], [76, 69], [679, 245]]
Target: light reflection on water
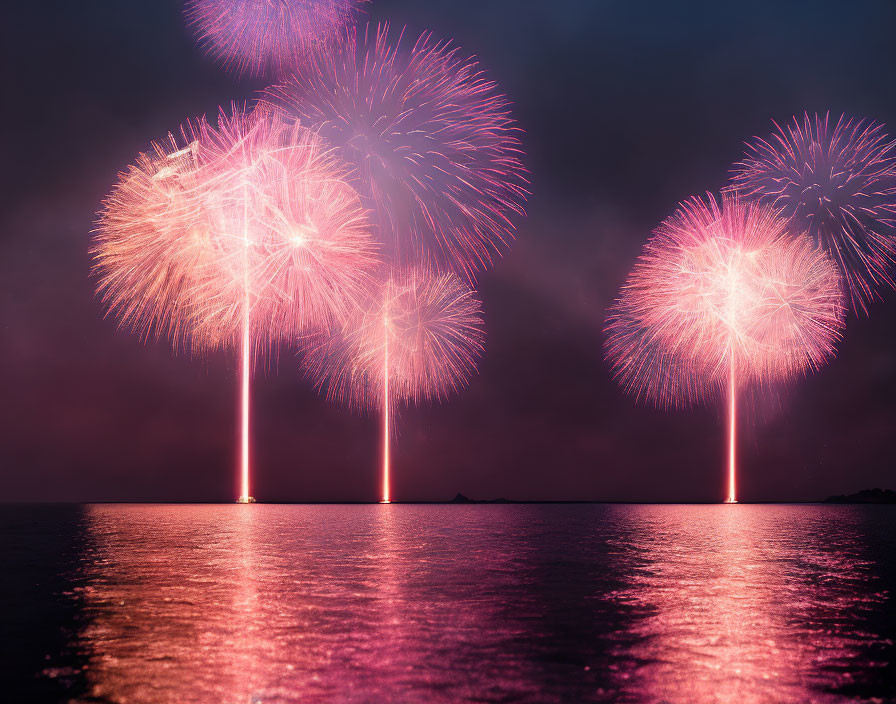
[[546, 603], [753, 604]]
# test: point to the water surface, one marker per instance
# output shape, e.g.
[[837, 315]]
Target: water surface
[[482, 603]]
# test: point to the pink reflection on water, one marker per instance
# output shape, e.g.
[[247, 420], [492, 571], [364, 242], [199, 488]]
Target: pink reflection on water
[[173, 619], [358, 604], [268, 604], [735, 605]]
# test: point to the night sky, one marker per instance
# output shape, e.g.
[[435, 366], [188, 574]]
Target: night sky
[[628, 108]]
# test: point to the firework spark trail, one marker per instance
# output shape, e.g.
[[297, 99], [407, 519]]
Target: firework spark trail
[[431, 141], [836, 184], [723, 296], [248, 236], [416, 340], [268, 37]]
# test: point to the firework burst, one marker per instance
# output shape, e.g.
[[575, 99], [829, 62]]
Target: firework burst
[[422, 331], [435, 151], [239, 235], [251, 209], [267, 36], [721, 297], [286, 230], [417, 339], [836, 184]]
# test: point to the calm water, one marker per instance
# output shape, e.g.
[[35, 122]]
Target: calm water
[[484, 603]]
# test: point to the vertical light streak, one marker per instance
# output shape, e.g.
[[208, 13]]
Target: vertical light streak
[[732, 432], [387, 495], [245, 497]]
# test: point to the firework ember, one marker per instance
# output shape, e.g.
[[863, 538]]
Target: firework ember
[[838, 184], [435, 151], [416, 340], [241, 235], [268, 36], [723, 296]]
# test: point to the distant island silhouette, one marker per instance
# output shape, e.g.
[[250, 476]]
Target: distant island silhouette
[[461, 499], [866, 496]]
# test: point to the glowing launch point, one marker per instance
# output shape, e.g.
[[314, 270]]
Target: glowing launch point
[[246, 500]]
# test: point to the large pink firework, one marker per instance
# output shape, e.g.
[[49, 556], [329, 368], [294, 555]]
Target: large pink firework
[[838, 184], [723, 296], [286, 230], [417, 339], [250, 210], [268, 36], [435, 151], [241, 234]]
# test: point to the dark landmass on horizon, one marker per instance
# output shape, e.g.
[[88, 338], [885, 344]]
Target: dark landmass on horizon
[[865, 496], [461, 499]]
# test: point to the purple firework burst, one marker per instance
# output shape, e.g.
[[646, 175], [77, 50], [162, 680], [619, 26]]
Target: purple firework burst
[[838, 184], [721, 292], [435, 151], [267, 36]]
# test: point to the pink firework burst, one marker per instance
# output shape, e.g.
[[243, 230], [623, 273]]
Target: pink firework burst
[[723, 296], [267, 36], [836, 184], [417, 339], [435, 151], [249, 211], [420, 334], [240, 235], [716, 285]]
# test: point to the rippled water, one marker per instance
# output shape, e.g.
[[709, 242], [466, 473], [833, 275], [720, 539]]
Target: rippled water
[[483, 603]]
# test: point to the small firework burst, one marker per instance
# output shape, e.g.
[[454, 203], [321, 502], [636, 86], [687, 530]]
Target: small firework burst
[[419, 337], [722, 292], [435, 152], [838, 184], [267, 37], [249, 217]]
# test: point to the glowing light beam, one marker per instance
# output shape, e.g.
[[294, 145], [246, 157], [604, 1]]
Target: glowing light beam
[[387, 492]]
